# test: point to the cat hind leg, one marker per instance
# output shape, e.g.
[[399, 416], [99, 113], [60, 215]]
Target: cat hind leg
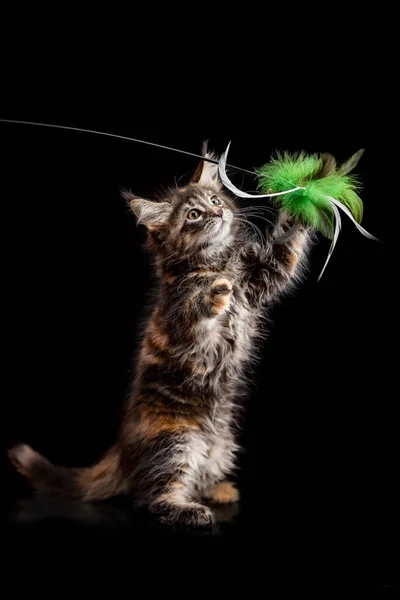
[[223, 493]]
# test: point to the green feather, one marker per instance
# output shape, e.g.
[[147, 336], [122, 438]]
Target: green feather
[[310, 205]]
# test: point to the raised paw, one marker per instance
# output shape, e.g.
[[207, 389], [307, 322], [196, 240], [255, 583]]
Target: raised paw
[[221, 293], [190, 514], [224, 493]]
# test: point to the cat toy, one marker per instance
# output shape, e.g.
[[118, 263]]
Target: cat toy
[[310, 188]]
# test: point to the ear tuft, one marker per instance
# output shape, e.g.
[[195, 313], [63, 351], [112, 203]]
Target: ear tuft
[[128, 195], [206, 172]]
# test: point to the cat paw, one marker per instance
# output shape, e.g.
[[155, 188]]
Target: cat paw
[[224, 493], [191, 514], [221, 293]]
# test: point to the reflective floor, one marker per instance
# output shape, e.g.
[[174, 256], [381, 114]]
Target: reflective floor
[[117, 516], [315, 541]]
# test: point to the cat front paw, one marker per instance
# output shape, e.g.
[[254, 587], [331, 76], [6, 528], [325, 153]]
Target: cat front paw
[[221, 293], [190, 514]]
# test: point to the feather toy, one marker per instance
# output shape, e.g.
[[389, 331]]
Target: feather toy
[[311, 189]]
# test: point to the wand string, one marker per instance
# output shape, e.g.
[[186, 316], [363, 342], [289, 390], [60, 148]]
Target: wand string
[[123, 137]]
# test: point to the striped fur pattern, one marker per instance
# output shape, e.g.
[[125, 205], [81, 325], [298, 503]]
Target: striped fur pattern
[[176, 447]]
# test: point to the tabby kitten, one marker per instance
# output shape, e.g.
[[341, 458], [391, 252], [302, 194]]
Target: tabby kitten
[[176, 445]]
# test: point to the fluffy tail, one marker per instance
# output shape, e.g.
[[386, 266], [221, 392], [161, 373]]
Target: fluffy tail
[[99, 482]]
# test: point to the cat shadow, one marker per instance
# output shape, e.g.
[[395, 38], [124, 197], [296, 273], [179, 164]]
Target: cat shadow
[[115, 515]]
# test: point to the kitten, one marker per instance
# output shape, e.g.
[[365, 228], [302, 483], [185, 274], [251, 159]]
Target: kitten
[[176, 445]]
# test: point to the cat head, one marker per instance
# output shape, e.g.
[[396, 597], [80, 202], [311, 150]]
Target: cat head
[[197, 218]]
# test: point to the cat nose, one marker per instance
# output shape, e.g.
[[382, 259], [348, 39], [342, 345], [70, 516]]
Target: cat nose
[[218, 212]]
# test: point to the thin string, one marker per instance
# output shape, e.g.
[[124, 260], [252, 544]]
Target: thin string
[[123, 137]]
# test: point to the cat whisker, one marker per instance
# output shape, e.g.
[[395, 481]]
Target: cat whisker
[[260, 217], [257, 216], [256, 229], [258, 209], [263, 205]]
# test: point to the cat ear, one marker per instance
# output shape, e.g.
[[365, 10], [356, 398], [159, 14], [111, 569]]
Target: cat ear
[[154, 215], [206, 172]]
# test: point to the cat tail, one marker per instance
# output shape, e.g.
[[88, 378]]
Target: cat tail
[[98, 482]]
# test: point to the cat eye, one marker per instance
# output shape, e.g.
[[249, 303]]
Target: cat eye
[[194, 215], [216, 201]]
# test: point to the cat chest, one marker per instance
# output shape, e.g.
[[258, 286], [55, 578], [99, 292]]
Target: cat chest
[[228, 338]]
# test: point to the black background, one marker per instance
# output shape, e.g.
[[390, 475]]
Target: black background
[[317, 474]]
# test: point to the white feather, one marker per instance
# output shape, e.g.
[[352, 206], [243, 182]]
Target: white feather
[[228, 184], [338, 225], [348, 213]]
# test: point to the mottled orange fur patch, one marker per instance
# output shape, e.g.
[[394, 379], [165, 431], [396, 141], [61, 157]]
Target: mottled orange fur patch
[[160, 339], [103, 479], [148, 356], [150, 425], [292, 260], [169, 279]]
